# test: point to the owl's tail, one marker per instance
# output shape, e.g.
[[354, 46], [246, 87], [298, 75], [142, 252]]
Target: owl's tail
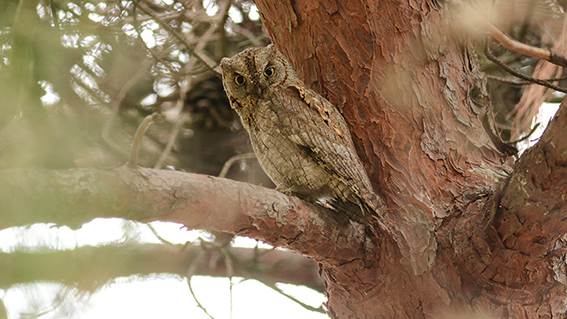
[[358, 209]]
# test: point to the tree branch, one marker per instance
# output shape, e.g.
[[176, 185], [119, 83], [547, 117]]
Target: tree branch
[[137, 141], [515, 73], [539, 177], [90, 267], [75, 196], [203, 58], [522, 48]]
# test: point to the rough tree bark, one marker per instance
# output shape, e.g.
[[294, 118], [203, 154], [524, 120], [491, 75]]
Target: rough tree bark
[[460, 238], [464, 232]]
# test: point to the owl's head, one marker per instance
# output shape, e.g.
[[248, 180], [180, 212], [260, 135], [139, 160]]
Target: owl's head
[[256, 72]]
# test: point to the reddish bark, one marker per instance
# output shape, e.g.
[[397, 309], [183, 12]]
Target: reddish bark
[[75, 196], [407, 88]]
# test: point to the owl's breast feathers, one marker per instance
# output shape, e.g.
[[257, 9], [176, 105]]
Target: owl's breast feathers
[[318, 129]]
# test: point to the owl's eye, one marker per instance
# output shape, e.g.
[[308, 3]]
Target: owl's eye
[[239, 79], [269, 71]]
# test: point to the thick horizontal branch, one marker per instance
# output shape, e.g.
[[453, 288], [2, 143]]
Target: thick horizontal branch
[[76, 196], [90, 267]]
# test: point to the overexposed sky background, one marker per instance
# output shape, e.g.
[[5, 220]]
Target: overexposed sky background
[[161, 296], [545, 114]]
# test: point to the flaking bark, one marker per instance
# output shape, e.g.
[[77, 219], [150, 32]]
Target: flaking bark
[[409, 90]]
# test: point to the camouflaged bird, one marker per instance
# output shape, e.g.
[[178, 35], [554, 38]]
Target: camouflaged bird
[[300, 139]]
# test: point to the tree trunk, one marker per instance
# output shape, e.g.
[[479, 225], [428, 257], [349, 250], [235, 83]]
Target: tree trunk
[[456, 238]]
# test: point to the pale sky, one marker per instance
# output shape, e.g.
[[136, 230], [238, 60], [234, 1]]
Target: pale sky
[[165, 296]]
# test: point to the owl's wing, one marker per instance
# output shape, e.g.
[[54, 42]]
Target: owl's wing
[[322, 131]]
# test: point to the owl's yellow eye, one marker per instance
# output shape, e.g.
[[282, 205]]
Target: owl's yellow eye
[[269, 71], [239, 79]]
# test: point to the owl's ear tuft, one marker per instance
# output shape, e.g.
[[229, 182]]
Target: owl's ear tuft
[[271, 49], [224, 63]]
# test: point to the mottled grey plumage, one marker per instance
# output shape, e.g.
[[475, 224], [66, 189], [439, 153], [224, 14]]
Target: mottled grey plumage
[[300, 139]]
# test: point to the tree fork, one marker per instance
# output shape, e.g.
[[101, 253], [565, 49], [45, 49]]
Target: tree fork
[[409, 91]]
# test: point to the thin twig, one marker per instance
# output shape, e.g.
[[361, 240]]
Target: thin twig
[[512, 82], [251, 38], [53, 8], [183, 89], [115, 106], [197, 300], [56, 304], [205, 60], [228, 260], [172, 138], [530, 10], [515, 73], [304, 305], [155, 232], [496, 140], [153, 54], [221, 26], [148, 120], [182, 94], [190, 273], [516, 46], [164, 16], [525, 137], [253, 272], [228, 164]]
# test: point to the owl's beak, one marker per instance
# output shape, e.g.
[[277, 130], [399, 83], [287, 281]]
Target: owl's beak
[[258, 90]]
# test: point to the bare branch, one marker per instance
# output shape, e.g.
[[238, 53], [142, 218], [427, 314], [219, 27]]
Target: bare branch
[[204, 59], [115, 106], [522, 48], [526, 136], [237, 158], [516, 46], [519, 83], [503, 65], [75, 196], [105, 263], [172, 137], [190, 273], [140, 132], [195, 298], [304, 305]]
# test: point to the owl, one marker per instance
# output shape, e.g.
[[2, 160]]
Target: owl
[[300, 139]]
